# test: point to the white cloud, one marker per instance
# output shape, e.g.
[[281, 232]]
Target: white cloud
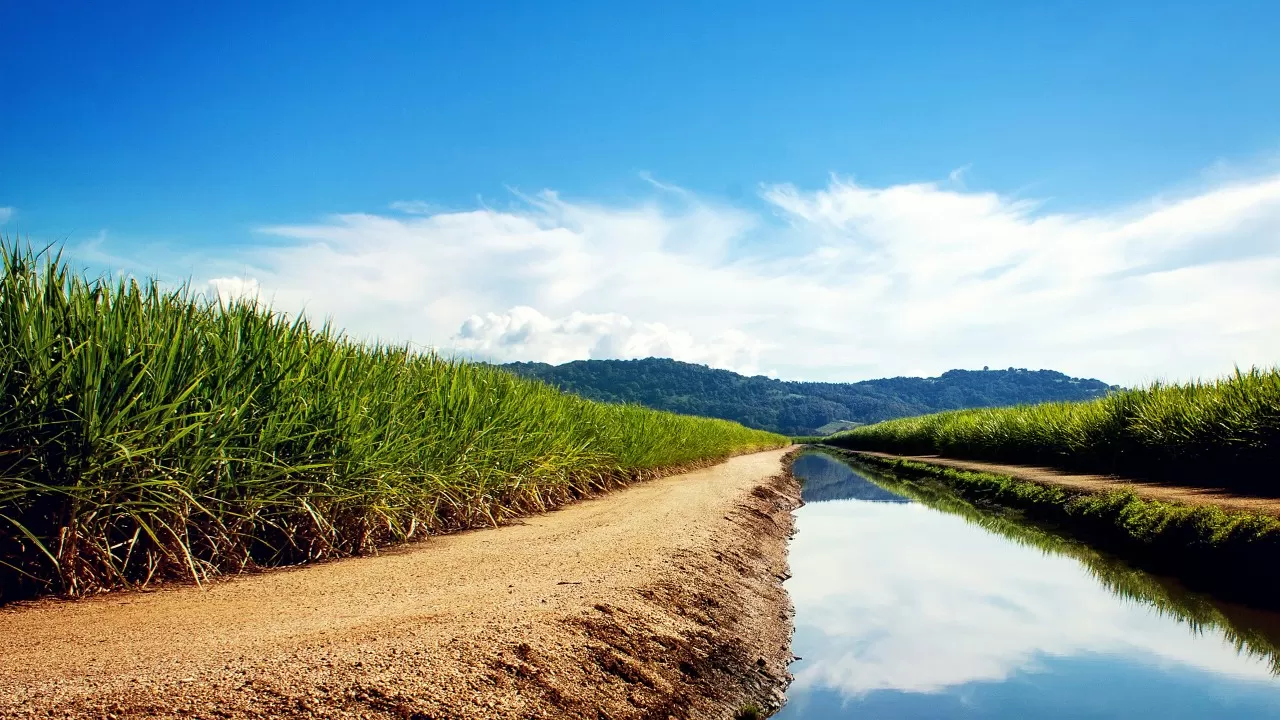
[[5, 214], [523, 333], [840, 282], [228, 289]]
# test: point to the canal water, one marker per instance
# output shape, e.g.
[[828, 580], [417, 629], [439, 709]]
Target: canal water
[[910, 603]]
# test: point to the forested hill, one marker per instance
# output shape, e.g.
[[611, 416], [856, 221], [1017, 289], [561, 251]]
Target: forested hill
[[800, 408]]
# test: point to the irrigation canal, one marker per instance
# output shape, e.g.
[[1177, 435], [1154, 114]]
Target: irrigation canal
[[910, 603]]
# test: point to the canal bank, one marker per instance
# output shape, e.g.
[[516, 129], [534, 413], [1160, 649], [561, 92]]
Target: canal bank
[[912, 601], [1226, 552]]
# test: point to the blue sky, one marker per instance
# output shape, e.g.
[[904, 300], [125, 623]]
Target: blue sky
[[231, 141]]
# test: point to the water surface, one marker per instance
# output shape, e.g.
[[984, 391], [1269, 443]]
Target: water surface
[[912, 604]]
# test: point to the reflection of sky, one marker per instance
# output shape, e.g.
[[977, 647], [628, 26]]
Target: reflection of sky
[[826, 478], [898, 597]]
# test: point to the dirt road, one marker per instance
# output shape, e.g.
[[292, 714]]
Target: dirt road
[[1221, 497], [660, 600]]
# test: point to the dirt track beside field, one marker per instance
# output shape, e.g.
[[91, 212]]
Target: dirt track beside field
[[1221, 497], [660, 600]]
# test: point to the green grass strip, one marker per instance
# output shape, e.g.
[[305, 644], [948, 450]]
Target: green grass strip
[[1149, 523], [1223, 433], [1230, 553]]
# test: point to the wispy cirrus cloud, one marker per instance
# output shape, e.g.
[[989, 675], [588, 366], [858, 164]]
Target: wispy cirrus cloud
[[841, 281]]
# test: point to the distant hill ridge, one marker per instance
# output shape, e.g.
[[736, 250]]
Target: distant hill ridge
[[800, 408]]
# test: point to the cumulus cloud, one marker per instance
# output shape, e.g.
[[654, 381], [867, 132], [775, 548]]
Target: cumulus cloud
[[229, 289], [523, 333], [842, 281]]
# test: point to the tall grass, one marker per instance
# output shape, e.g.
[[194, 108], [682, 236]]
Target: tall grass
[[147, 433], [1224, 433]]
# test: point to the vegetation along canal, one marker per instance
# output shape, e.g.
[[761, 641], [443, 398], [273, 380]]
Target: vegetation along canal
[[912, 603]]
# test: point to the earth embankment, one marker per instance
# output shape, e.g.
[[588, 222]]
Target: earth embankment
[[1222, 497]]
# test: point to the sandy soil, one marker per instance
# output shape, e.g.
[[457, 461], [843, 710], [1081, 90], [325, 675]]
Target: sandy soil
[[663, 600], [1223, 498]]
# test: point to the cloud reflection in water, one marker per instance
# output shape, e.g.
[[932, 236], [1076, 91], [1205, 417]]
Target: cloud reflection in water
[[902, 597]]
